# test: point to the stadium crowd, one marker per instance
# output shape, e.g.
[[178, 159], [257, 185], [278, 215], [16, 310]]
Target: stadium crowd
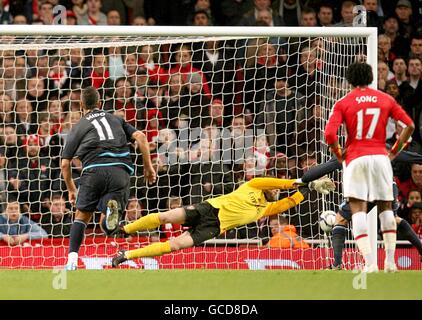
[[265, 104]]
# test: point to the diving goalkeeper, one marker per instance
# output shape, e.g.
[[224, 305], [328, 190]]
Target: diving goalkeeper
[[253, 200]]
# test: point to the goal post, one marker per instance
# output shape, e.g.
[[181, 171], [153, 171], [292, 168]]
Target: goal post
[[255, 103]]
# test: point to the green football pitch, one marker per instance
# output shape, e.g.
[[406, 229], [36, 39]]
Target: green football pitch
[[207, 285]]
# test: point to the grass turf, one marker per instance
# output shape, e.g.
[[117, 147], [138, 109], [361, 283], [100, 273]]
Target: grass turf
[[208, 285]]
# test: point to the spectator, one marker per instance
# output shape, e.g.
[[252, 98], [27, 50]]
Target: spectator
[[116, 65], [20, 19], [283, 235], [384, 47], [232, 12], [308, 18], [325, 15], [195, 104], [76, 69], [80, 8], [284, 109], [10, 143], [216, 61], [139, 21], [154, 197], [155, 122], [99, 73], [241, 141], [93, 15], [37, 93], [399, 44], [216, 113], [71, 118], [290, 11], [400, 71], [200, 18], [133, 210], [113, 18], [122, 101], [262, 154], [173, 106], [167, 146], [261, 78], [282, 166], [384, 74], [9, 73], [46, 15], [71, 18], [413, 183], [413, 196], [15, 228], [153, 101], [183, 59], [416, 47], [346, 14], [3, 180], [306, 70], [309, 130], [209, 175], [25, 117], [74, 98], [132, 213], [204, 7], [55, 115], [58, 73], [148, 60], [58, 220], [404, 14], [411, 91], [35, 175], [131, 65], [6, 109], [415, 217], [250, 18], [373, 19]]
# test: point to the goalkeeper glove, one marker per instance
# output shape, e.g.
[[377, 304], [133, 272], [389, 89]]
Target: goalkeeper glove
[[324, 185]]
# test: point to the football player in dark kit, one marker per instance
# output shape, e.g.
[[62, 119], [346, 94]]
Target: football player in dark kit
[[100, 141], [344, 215]]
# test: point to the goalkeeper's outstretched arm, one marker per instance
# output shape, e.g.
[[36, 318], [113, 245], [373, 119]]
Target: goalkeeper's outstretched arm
[[324, 185], [321, 170]]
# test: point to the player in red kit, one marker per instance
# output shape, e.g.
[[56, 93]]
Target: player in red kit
[[367, 174]]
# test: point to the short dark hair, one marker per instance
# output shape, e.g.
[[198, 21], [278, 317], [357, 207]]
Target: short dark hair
[[90, 98], [359, 74]]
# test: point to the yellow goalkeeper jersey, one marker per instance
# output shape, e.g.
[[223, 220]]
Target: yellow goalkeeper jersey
[[248, 204]]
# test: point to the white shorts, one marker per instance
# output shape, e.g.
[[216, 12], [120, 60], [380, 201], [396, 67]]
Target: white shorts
[[369, 178]]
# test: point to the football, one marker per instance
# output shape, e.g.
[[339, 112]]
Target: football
[[327, 220]]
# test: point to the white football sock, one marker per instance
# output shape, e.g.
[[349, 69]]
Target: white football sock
[[360, 233], [72, 258], [389, 234]]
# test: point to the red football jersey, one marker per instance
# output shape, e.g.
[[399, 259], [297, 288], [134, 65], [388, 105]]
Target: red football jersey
[[365, 113]]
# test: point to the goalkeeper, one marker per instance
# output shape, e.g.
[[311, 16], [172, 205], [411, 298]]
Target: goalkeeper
[[253, 200], [345, 215]]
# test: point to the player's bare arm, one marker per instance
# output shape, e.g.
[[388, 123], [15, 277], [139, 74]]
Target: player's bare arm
[[401, 141], [142, 142], [337, 151], [67, 176]]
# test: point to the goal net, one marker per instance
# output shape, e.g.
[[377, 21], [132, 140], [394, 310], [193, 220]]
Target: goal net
[[218, 106]]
